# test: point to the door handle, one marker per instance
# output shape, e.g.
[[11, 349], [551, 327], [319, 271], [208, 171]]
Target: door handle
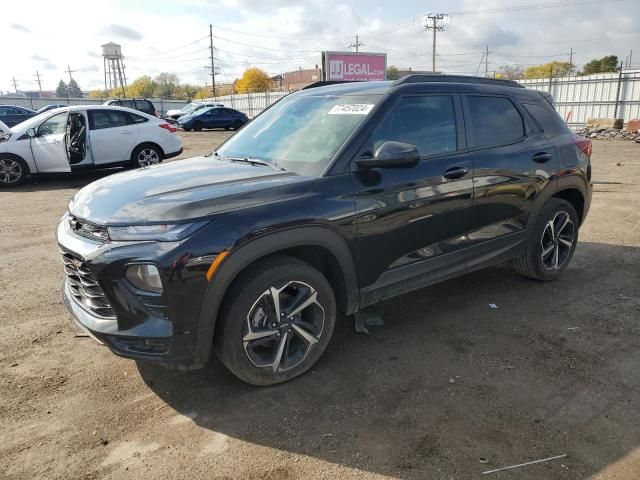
[[454, 173], [542, 157]]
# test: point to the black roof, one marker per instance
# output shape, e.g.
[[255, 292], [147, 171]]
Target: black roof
[[417, 82]]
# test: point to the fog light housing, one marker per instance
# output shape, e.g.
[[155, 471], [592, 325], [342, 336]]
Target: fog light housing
[[145, 277]]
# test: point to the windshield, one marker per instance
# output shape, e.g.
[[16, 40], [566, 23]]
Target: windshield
[[189, 108], [301, 133], [32, 122]]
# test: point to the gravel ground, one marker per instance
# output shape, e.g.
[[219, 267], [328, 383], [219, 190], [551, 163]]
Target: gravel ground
[[446, 382]]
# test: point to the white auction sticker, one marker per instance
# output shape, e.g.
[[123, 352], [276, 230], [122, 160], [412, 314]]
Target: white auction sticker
[[351, 109]]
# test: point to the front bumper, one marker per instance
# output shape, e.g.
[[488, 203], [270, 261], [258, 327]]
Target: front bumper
[[137, 330]]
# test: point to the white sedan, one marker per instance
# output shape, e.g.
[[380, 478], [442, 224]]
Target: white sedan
[[69, 138]]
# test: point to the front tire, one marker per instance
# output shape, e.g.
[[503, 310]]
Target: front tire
[[276, 321], [146, 155], [13, 171], [552, 242], [197, 126]]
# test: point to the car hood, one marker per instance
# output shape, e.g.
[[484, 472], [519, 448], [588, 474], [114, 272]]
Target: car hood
[[183, 190], [174, 112]]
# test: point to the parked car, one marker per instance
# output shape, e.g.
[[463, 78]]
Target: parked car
[[5, 133], [216, 117], [140, 104], [77, 137], [333, 199], [12, 115], [190, 108], [46, 108]]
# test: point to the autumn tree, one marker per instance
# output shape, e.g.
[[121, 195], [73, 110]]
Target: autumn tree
[[510, 72], [601, 65], [186, 91], [393, 73], [166, 85], [553, 69], [62, 91], [253, 80], [142, 87]]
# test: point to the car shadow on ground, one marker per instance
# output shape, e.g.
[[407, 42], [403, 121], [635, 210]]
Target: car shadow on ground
[[450, 381]]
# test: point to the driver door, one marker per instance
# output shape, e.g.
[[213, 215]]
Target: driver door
[[49, 146]]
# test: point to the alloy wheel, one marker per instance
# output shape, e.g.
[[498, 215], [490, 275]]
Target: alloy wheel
[[557, 241], [148, 156], [10, 171], [282, 326]]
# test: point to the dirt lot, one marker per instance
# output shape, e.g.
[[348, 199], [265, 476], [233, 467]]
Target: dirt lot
[[447, 381]]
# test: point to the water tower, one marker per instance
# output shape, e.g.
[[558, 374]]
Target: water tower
[[114, 75]]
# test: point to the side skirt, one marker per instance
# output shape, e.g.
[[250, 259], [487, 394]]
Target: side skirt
[[418, 275]]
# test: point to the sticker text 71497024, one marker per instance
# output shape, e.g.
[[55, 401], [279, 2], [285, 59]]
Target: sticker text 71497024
[[351, 109]]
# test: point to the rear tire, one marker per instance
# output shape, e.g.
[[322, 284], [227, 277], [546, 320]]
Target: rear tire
[[13, 171], [550, 247], [236, 125], [262, 347], [146, 155], [197, 126]]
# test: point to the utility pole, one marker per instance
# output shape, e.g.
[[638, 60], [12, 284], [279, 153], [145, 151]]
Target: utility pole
[[570, 61], [486, 62], [69, 71], [15, 84], [630, 55], [37, 75], [357, 44], [434, 24], [213, 67]]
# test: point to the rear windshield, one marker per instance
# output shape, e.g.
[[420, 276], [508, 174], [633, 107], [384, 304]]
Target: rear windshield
[[301, 133]]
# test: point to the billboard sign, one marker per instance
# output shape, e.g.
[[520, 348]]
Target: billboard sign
[[354, 66]]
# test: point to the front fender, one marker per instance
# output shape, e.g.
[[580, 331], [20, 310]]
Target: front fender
[[250, 251]]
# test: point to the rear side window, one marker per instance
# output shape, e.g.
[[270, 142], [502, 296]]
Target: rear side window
[[100, 119], [550, 122], [144, 105], [128, 104], [137, 118], [494, 121], [428, 122]]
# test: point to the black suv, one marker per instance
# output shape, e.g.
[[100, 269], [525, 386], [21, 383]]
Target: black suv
[[140, 104], [333, 199]]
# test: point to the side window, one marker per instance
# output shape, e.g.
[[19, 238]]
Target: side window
[[494, 121], [54, 126], [100, 119], [137, 118], [428, 122], [4, 111], [128, 104], [550, 122]]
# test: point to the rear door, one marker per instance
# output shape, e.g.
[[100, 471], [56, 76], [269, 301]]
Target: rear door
[[513, 162], [407, 218], [112, 136], [49, 146]]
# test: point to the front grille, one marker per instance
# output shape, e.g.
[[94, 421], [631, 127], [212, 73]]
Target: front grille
[[87, 229], [84, 288]]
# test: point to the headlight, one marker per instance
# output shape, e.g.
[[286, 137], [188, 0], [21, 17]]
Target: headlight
[[145, 277], [165, 232]]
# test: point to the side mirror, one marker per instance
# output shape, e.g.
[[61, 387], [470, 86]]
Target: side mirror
[[31, 132], [392, 155]]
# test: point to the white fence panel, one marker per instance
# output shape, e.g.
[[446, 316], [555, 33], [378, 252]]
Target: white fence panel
[[161, 104], [603, 95], [250, 103]]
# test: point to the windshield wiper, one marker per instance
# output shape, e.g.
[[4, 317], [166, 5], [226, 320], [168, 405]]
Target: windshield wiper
[[252, 161]]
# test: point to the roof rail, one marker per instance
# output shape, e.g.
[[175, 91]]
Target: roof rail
[[324, 83], [438, 77]]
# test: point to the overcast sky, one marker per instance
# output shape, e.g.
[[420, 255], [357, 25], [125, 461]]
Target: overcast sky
[[279, 35]]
